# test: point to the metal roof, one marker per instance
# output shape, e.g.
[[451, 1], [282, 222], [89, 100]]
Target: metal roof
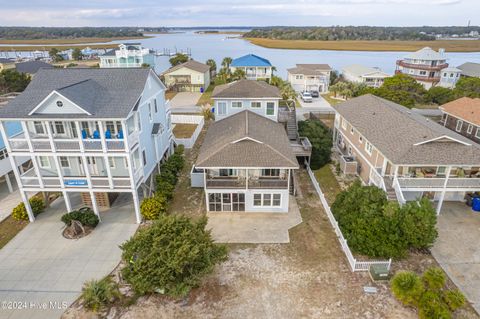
[[250, 60]]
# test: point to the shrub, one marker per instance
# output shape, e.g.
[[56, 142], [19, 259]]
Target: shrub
[[454, 299], [321, 140], [434, 278], [152, 207], [97, 294], [20, 212], [429, 295], [171, 256], [165, 189], [85, 216], [439, 95], [378, 228], [407, 287]]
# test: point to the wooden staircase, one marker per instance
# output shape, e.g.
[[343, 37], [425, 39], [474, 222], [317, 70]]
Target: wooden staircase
[[391, 194], [292, 128]]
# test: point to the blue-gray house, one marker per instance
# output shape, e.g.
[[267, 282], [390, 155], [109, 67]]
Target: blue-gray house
[[255, 67]]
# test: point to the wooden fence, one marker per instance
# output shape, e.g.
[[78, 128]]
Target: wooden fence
[[355, 264], [188, 119]]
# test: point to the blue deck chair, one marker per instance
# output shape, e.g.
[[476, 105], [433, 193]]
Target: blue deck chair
[[96, 134], [108, 135]]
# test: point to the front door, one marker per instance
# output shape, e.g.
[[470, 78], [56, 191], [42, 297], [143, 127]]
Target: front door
[[92, 166]]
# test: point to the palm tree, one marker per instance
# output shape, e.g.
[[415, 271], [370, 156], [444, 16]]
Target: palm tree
[[212, 64], [226, 63], [287, 91], [237, 75]]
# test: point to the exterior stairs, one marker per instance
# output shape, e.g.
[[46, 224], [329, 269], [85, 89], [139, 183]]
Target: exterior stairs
[[292, 128], [391, 194]]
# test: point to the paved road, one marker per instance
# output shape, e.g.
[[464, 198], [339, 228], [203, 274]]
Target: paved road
[[39, 266], [457, 249]]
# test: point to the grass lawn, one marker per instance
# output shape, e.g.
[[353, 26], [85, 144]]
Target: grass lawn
[[360, 45], [10, 227], [328, 183], [206, 96], [184, 130], [328, 97]]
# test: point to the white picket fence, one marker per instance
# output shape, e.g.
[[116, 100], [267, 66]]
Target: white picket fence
[[355, 264], [188, 119]]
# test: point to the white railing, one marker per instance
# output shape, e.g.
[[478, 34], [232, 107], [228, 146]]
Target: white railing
[[439, 182], [398, 191], [377, 179], [355, 264], [188, 119]]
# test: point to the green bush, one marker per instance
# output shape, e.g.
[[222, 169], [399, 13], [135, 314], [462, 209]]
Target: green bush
[[429, 294], [97, 294], [439, 95], [407, 287], [85, 216], [171, 256], [165, 189], [375, 227], [454, 299], [20, 212], [321, 140], [152, 207], [434, 278]]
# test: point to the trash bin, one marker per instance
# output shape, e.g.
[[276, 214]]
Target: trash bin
[[476, 204], [201, 90]]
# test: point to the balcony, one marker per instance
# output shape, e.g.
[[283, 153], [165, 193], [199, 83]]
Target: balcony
[[269, 183], [226, 182], [432, 79], [437, 182], [422, 66]]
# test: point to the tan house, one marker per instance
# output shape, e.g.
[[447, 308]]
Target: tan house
[[463, 117], [310, 77], [6, 64], [404, 153], [189, 76], [357, 73]]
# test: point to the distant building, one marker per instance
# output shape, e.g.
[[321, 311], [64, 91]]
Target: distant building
[[255, 67], [449, 77], [357, 73], [463, 117], [32, 67], [189, 76], [128, 55], [310, 77], [6, 64], [470, 69], [425, 66]]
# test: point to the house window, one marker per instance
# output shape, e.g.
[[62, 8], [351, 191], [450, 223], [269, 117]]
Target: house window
[[64, 162], [59, 128], [257, 199], [423, 72], [368, 148], [267, 200], [441, 170], [298, 77], [155, 104], [139, 124], [344, 124], [59, 103], [3, 154], [352, 131], [44, 162], [255, 105], [277, 199], [237, 104], [477, 134], [227, 172], [39, 129], [458, 128], [144, 158], [215, 202], [360, 139], [469, 129], [222, 108], [270, 108], [111, 162], [150, 116], [271, 172]]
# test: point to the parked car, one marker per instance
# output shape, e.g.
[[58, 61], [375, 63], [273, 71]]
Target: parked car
[[314, 93], [306, 97]]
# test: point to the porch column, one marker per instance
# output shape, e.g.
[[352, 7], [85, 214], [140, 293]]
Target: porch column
[[442, 194], [94, 205], [68, 204], [136, 204], [9, 183], [246, 178], [31, 217]]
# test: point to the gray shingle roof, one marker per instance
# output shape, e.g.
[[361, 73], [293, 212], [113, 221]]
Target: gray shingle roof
[[470, 69], [105, 93], [361, 70], [246, 89], [394, 130], [3, 60], [246, 139], [32, 67], [190, 64]]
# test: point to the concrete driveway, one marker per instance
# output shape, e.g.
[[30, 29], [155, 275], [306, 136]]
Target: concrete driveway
[[254, 228], [457, 248], [318, 103], [185, 99], [44, 272]]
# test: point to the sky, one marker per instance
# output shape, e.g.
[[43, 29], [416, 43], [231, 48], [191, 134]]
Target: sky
[[191, 13]]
